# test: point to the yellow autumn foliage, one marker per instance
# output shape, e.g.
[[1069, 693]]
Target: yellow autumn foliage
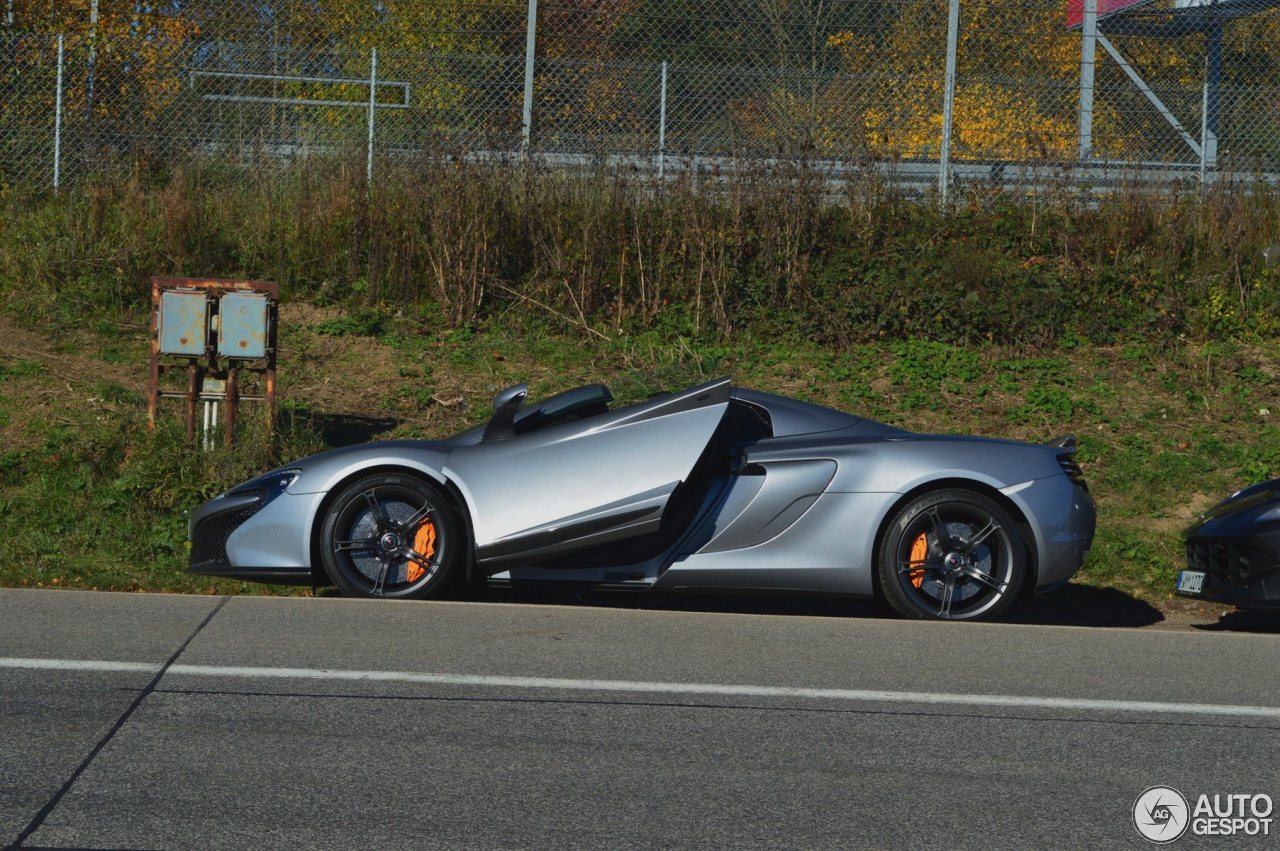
[[1017, 95]]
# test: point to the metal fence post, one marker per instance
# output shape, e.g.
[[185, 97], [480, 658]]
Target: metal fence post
[[949, 100], [93, 59], [1204, 131], [1088, 59], [1211, 109], [662, 122], [57, 123], [373, 99], [530, 47]]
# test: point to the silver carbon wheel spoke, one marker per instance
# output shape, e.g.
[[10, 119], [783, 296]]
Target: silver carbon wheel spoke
[[984, 578], [948, 588], [923, 564], [413, 555], [356, 545], [976, 541], [379, 584], [379, 515], [939, 528], [417, 517]]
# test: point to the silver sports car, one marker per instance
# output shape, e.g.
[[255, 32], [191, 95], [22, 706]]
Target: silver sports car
[[712, 487]]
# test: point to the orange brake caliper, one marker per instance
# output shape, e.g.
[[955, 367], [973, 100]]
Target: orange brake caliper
[[424, 543], [919, 552]]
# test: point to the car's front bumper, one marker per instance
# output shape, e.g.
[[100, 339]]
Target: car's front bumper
[[1237, 571], [255, 536], [1236, 545]]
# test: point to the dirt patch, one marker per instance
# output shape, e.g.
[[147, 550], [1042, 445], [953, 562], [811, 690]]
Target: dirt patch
[[21, 344], [306, 314], [47, 382], [332, 374], [1177, 517], [356, 376]]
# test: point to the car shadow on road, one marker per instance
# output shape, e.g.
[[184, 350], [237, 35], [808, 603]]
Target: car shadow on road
[[1085, 605], [1242, 621], [1073, 605], [691, 601]]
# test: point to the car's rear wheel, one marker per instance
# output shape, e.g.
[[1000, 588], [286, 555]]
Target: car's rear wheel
[[390, 535], [952, 555]]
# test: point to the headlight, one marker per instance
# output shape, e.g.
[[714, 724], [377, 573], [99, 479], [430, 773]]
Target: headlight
[[283, 478], [270, 485], [1272, 513]]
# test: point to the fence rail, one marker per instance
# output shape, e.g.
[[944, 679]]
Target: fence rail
[[929, 92]]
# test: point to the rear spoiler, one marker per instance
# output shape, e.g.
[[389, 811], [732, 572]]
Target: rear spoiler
[[1067, 444]]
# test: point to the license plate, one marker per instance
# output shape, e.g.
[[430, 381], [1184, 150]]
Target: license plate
[[1190, 581]]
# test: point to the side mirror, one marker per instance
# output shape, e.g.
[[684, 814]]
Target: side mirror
[[513, 394], [505, 406], [1271, 256]]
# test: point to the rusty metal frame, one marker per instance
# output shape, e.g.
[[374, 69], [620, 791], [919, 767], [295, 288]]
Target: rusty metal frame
[[208, 363]]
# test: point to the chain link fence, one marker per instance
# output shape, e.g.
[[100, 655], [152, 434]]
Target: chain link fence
[[926, 92]]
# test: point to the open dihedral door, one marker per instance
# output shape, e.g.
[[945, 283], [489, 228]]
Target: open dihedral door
[[581, 484]]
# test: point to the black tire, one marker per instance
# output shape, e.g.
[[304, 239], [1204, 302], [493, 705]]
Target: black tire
[[370, 530], [971, 564]]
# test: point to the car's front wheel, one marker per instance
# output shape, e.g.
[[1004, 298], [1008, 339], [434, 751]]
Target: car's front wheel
[[952, 555], [390, 535]]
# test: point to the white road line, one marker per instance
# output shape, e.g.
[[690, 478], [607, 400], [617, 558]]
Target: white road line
[[634, 686], [77, 665]]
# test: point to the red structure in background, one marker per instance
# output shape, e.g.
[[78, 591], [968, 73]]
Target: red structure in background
[[1075, 9]]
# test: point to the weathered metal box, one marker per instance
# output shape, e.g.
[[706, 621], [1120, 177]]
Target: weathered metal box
[[242, 326], [183, 322]]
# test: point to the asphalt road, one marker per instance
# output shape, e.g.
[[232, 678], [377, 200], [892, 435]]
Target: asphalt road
[[141, 721]]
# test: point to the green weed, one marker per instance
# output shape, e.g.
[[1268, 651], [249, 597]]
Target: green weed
[[767, 250]]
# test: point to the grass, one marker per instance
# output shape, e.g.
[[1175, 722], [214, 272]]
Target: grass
[[91, 501], [703, 256]]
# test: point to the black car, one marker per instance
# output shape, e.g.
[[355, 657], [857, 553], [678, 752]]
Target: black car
[[1233, 550]]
